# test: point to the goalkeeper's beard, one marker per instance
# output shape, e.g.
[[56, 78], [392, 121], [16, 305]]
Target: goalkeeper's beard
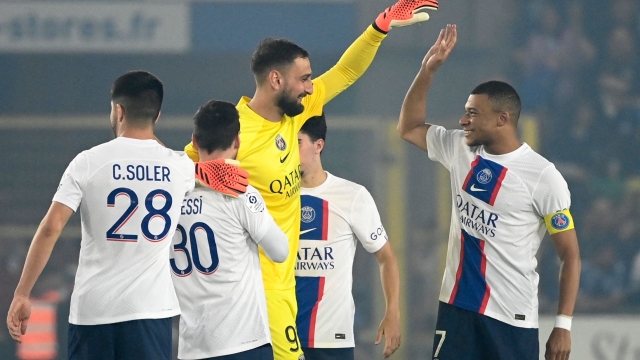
[[289, 106]]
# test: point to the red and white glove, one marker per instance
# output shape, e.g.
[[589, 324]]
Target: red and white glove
[[404, 13], [223, 175]]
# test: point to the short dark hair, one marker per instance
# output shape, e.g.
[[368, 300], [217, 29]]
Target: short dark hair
[[140, 93], [502, 95], [217, 123], [315, 128], [274, 54]]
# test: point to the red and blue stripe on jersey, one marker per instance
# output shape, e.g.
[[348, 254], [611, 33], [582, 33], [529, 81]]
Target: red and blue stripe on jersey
[[471, 290], [484, 179], [309, 289]]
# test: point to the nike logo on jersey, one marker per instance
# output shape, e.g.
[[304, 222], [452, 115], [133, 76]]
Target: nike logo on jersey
[[285, 157], [474, 188], [306, 231]]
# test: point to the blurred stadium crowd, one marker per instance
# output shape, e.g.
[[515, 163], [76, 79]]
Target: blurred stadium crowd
[[578, 73]]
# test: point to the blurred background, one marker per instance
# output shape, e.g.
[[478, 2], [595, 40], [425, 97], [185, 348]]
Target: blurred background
[[575, 64]]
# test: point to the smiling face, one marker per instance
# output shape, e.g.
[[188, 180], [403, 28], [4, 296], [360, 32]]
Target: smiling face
[[480, 121], [296, 84]]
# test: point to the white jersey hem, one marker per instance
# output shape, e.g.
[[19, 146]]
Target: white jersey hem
[[234, 350], [123, 318]]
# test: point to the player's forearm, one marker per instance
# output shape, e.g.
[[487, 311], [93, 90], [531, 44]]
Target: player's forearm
[[37, 257], [390, 279], [353, 63], [569, 283], [413, 112]]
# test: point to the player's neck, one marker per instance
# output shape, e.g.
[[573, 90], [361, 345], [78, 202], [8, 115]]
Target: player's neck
[[503, 147], [313, 176], [264, 106], [137, 133], [216, 154]]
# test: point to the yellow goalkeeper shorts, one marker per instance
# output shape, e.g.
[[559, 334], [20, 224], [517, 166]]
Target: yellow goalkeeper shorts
[[282, 309]]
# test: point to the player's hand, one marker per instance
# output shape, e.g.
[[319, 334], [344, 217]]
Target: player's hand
[[390, 327], [18, 317], [440, 51], [223, 175], [404, 13], [558, 345]]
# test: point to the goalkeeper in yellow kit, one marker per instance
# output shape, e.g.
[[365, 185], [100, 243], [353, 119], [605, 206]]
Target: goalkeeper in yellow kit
[[285, 97]]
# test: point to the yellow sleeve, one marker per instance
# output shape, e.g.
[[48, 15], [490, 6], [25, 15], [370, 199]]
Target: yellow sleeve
[[191, 152], [353, 63], [559, 221]]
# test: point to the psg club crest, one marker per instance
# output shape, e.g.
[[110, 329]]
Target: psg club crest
[[280, 143], [484, 176], [560, 221], [308, 214]]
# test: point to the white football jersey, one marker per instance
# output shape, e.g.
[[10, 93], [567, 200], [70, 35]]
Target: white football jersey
[[334, 215], [129, 192], [499, 202], [216, 272]]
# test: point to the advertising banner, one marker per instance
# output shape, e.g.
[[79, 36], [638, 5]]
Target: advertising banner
[[62, 27]]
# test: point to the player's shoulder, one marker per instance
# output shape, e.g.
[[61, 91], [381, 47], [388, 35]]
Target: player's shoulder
[[251, 199], [344, 184]]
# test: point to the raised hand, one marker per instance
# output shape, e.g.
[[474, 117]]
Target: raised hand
[[440, 51]]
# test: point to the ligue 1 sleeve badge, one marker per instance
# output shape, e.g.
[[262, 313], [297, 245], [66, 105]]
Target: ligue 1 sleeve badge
[[560, 221]]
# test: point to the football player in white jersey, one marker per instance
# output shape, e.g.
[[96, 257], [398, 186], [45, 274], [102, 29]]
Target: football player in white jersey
[[129, 192], [336, 214], [214, 257], [504, 194]]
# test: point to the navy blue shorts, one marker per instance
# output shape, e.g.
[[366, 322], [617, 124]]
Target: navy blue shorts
[[146, 339], [328, 353], [264, 352], [466, 335]]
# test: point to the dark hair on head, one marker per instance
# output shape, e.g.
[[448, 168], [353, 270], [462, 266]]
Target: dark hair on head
[[140, 93], [274, 54], [503, 97], [315, 128], [217, 123]]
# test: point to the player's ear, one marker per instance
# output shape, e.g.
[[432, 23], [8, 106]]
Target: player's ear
[[193, 141], [236, 142], [275, 79], [119, 112], [319, 145], [503, 118], [157, 117]]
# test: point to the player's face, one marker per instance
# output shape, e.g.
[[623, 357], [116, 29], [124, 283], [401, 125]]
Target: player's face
[[296, 85], [479, 121], [307, 151]]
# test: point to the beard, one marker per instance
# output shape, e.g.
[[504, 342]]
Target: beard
[[288, 104]]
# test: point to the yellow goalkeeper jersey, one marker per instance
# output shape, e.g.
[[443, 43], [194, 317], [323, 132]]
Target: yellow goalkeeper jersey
[[269, 152]]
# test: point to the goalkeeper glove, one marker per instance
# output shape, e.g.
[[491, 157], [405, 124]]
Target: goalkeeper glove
[[404, 13], [223, 175]]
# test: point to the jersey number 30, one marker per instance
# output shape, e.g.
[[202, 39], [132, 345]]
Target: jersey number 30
[[182, 246]]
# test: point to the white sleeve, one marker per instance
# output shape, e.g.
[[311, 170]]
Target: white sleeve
[[264, 231], [441, 144], [365, 222], [551, 194], [73, 180], [190, 175]]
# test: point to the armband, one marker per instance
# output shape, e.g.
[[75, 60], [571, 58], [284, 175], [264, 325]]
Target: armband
[[559, 221]]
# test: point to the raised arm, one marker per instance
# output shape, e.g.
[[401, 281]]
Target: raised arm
[[39, 252], [413, 114], [390, 278], [360, 54], [566, 243]]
